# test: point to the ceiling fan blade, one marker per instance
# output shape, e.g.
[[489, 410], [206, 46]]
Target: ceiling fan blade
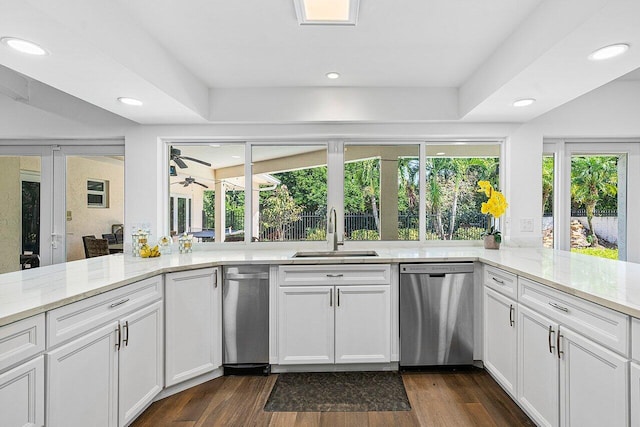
[[179, 162], [202, 162], [196, 182]]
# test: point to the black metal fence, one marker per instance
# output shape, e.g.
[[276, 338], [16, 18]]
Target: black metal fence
[[362, 226]]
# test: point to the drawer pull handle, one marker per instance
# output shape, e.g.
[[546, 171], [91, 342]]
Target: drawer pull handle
[[559, 307], [498, 281], [115, 304], [551, 346], [511, 311], [125, 341], [335, 275], [119, 339]]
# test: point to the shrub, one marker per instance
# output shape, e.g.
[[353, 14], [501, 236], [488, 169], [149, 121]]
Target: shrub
[[364, 235], [317, 234]]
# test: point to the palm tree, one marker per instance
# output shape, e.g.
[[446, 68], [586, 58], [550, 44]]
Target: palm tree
[[593, 177], [434, 193], [368, 178]]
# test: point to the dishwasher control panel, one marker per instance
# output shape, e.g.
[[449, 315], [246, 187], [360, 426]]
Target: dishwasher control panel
[[437, 268]]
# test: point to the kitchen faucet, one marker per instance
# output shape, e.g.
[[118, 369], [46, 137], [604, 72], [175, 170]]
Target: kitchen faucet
[[333, 228]]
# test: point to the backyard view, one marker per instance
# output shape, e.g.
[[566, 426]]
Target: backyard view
[[381, 194], [594, 227]]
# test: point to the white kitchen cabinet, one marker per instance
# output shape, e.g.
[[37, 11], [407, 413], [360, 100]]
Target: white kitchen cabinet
[[306, 325], [635, 394], [193, 343], [363, 324], [567, 377], [593, 383], [106, 377], [141, 363], [500, 338], [82, 387], [22, 395], [538, 367]]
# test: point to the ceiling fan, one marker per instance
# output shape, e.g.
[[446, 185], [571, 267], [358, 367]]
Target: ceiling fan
[[190, 180], [178, 158]]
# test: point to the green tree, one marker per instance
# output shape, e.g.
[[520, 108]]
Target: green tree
[[547, 184], [592, 177], [279, 211]]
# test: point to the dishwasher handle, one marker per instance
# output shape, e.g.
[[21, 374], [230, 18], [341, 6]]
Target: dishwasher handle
[[246, 276]]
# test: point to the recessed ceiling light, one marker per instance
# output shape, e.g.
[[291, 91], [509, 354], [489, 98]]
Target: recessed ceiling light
[[130, 101], [327, 12], [333, 75], [440, 154], [525, 102], [235, 157], [24, 46], [608, 52], [214, 145]]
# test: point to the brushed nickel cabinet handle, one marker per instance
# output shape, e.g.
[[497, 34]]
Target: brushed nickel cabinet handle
[[498, 281], [511, 312], [551, 346], [338, 297], [335, 275], [115, 304], [559, 307], [331, 298], [118, 341], [125, 341]]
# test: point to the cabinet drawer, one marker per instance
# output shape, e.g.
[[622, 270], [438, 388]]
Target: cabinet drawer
[[635, 339], [21, 340], [605, 326], [301, 275], [501, 281], [74, 319]]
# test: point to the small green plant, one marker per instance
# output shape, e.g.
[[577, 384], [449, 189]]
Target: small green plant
[[599, 252], [364, 235], [408, 234], [317, 234]]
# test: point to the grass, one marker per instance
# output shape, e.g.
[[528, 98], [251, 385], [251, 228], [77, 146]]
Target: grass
[[599, 252]]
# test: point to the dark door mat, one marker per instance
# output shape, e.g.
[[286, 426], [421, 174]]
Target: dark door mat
[[339, 392]]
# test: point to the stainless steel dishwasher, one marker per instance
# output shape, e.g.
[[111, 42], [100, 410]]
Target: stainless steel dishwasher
[[436, 314], [245, 319]]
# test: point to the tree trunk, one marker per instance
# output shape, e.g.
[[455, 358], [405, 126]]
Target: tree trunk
[[374, 208], [454, 208]]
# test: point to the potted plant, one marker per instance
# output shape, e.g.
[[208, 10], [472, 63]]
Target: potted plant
[[495, 206]]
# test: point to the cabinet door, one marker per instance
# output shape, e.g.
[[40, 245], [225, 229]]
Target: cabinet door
[[305, 325], [538, 367], [363, 324], [192, 329], [82, 389], [635, 394], [500, 333], [141, 361], [22, 395], [593, 383]]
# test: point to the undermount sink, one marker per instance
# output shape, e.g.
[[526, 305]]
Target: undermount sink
[[334, 254]]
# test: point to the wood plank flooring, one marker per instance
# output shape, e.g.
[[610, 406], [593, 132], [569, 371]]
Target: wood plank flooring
[[462, 398]]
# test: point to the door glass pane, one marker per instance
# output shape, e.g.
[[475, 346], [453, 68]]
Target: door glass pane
[[19, 212], [381, 192], [289, 192], [94, 200], [453, 202], [547, 200], [595, 199]]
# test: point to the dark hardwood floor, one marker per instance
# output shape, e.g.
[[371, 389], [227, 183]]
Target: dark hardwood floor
[[462, 398]]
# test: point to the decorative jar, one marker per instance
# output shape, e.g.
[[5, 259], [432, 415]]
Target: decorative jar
[[138, 239], [185, 244]]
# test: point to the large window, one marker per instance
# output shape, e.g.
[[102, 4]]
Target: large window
[[453, 202], [289, 192], [381, 192]]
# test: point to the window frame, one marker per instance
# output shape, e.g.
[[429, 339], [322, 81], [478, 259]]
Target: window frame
[[104, 193]]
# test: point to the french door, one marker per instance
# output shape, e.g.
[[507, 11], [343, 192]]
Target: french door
[[39, 185]]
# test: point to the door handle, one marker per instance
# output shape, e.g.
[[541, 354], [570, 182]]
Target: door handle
[[338, 297], [331, 298], [551, 346], [118, 340], [125, 341], [560, 352], [511, 311]]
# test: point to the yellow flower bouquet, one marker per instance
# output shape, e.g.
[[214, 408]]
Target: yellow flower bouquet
[[496, 205]]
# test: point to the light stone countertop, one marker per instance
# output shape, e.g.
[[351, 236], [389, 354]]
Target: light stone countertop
[[610, 283]]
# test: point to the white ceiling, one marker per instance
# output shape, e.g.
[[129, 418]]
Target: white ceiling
[[207, 61]]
